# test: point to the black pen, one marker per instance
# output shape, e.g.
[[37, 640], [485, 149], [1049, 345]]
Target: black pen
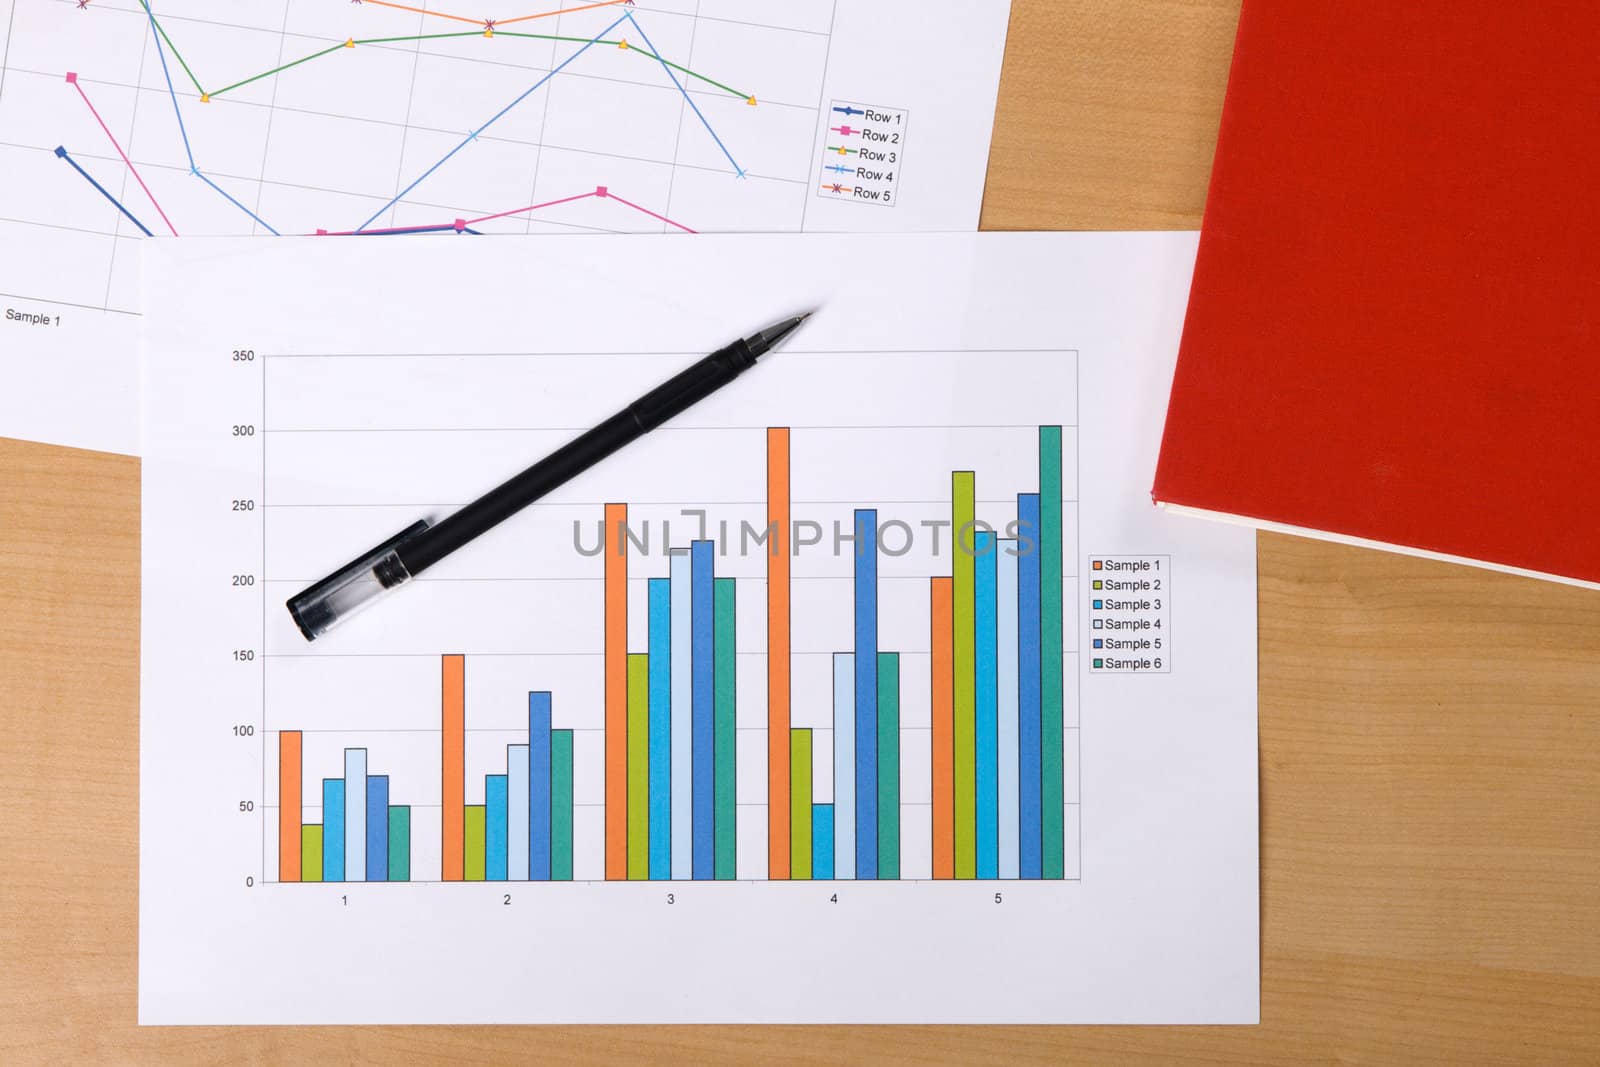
[[320, 607]]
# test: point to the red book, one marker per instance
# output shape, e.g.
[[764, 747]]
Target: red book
[[1394, 330]]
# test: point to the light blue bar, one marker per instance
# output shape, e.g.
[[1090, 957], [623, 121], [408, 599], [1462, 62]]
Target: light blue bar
[[494, 828], [821, 842], [703, 746], [1006, 641], [682, 715], [333, 829], [516, 812], [660, 762], [986, 675], [844, 764], [355, 815], [539, 817]]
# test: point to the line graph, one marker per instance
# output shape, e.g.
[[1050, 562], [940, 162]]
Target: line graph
[[645, 56], [442, 117]]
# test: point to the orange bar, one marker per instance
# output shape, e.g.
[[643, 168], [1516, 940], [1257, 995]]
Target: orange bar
[[289, 805], [616, 667], [944, 808], [453, 740], [778, 560]]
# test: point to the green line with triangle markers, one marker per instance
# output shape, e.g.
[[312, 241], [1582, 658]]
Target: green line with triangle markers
[[274, 70], [423, 37], [632, 48], [172, 47]]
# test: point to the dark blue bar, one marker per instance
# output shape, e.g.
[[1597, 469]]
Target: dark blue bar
[[660, 758], [702, 625], [821, 841], [1030, 842], [866, 649], [539, 787], [333, 829], [377, 827]]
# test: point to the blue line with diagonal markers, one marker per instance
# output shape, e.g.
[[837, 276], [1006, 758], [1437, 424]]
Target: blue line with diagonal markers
[[183, 130], [161, 53], [689, 99], [62, 152], [229, 198], [473, 136]]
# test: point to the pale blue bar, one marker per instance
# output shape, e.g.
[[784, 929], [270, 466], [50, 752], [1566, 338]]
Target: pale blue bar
[[355, 815], [660, 744], [986, 675], [1006, 642], [844, 764], [682, 715], [516, 812]]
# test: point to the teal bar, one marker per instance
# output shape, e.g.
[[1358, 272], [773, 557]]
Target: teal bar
[[1052, 652]]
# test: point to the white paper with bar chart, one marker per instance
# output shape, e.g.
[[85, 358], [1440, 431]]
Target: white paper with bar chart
[[871, 689]]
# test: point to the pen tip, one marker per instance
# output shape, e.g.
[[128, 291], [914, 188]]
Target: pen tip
[[765, 341]]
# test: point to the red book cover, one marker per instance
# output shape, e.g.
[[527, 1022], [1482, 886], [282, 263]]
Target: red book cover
[[1394, 330]]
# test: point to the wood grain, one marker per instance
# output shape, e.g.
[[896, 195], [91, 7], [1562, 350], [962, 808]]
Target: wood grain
[[1430, 735]]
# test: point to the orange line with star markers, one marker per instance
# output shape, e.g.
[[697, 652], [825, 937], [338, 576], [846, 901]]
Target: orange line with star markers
[[494, 22]]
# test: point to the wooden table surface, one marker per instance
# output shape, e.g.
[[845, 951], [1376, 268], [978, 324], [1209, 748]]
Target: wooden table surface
[[1430, 735]]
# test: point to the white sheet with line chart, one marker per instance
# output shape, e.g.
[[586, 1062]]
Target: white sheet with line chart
[[121, 119], [884, 642]]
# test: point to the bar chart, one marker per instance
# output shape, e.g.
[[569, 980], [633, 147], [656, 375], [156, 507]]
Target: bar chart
[[936, 750], [870, 689]]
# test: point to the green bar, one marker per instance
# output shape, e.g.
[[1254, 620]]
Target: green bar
[[800, 804], [1051, 651], [561, 805], [724, 820], [638, 766], [965, 688], [311, 853], [889, 765], [400, 844], [476, 834]]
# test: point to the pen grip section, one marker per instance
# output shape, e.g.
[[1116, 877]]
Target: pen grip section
[[692, 385]]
